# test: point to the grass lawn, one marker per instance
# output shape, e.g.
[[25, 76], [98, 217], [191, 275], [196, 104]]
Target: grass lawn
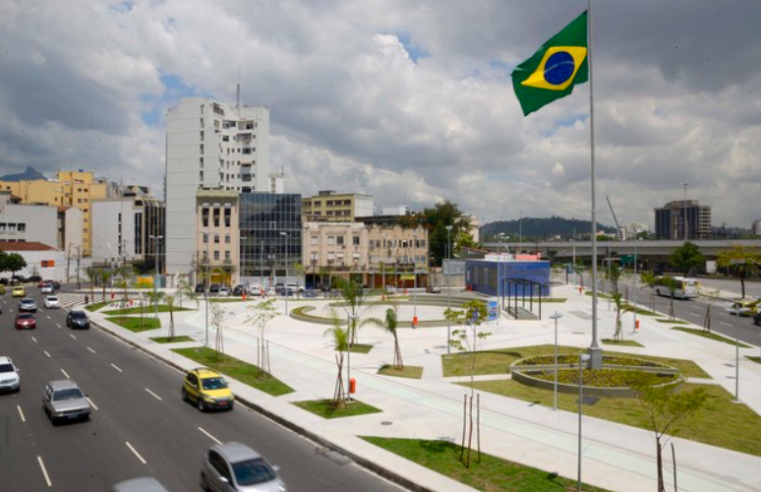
[[720, 422], [600, 295], [554, 299], [237, 369], [231, 300], [95, 306], [755, 359], [179, 339], [412, 372], [645, 312], [625, 343], [491, 474], [361, 348], [498, 361], [326, 408], [163, 308], [672, 321], [135, 324], [710, 336]]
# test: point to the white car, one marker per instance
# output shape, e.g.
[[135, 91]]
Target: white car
[[223, 292], [9, 377], [52, 302], [47, 289]]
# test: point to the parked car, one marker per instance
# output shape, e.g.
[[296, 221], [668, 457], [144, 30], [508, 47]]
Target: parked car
[[142, 484], [35, 279], [52, 302], [214, 289], [19, 291], [9, 377], [47, 289], [390, 289], [27, 305], [279, 288], [223, 291], [757, 319], [270, 291], [207, 389], [295, 287], [235, 466], [64, 400], [25, 321], [239, 290], [434, 289], [77, 319], [200, 288]]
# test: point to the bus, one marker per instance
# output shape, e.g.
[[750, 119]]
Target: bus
[[686, 288]]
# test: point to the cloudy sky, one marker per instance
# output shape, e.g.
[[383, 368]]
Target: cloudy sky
[[411, 102]]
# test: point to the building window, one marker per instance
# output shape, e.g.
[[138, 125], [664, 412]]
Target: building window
[[228, 213], [356, 240], [216, 238], [22, 227], [216, 255], [340, 240], [205, 238], [227, 239], [205, 216], [331, 240], [227, 255], [314, 240]]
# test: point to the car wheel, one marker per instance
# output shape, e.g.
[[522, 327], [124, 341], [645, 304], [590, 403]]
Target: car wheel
[[184, 395], [204, 482], [201, 407]]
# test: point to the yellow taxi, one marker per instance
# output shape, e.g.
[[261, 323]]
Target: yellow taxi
[[19, 291], [2, 290], [207, 389]]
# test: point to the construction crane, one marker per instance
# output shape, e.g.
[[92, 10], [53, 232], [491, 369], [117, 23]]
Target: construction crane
[[618, 227]]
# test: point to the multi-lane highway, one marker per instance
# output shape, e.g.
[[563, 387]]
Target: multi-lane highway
[[693, 311], [139, 425]]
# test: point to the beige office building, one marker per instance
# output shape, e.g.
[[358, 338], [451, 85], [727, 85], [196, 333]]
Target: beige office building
[[218, 237], [328, 205]]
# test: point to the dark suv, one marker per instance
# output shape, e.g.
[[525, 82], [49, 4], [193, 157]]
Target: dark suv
[[77, 319], [757, 319]]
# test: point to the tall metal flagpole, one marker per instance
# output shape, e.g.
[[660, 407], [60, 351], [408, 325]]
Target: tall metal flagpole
[[595, 352]]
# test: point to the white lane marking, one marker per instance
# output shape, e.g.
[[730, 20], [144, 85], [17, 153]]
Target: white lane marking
[[91, 403], [34, 340], [21, 413], [64, 373], [48, 317], [112, 365], [726, 324], [696, 315], [46, 353], [72, 336], [210, 436], [91, 350], [44, 471], [136, 453], [58, 325], [154, 394]]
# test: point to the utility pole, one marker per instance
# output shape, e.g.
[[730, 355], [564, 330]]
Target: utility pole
[[156, 240], [684, 207], [79, 259]]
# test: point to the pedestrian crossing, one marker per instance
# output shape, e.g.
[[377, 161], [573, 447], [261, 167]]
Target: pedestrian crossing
[[72, 300]]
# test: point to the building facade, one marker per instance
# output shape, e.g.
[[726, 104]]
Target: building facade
[[209, 145], [218, 238], [337, 248], [346, 207], [672, 219], [125, 231], [41, 259], [755, 228], [69, 189], [270, 238]]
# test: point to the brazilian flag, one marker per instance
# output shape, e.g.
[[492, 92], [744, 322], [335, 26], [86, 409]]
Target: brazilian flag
[[551, 73]]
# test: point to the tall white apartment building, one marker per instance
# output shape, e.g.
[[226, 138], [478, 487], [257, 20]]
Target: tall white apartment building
[[209, 145]]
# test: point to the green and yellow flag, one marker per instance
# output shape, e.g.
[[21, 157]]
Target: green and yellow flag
[[555, 68]]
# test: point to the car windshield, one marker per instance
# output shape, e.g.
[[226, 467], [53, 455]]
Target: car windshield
[[52, 299], [254, 471], [68, 394], [6, 368], [78, 315], [213, 383], [25, 316]]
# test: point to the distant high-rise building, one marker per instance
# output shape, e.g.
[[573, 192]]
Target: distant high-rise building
[[755, 228], [670, 220], [210, 145]]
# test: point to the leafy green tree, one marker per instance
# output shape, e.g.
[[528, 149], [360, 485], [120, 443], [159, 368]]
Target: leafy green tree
[[340, 336], [92, 276], [389, 324], [435, 220], [686, 257], [650, 279], [13, 263], [742, 260], [354, 300], [105, 277], [665, 408]]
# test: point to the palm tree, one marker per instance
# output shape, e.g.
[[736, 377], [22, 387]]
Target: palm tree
[[341, 343], [170, 304], [621, 307], [105, 277], [92, 275], [390, 324], [354, 298], [649, 279], [185, 291]]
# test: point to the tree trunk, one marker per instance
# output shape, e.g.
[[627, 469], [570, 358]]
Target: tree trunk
[[171, 324], [659, 464]]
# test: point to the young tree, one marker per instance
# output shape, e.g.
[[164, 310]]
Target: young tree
[[464, 340], [105, 278], [649, 279], [92, 275], [185, 291], [742, 260], [390, 325], [621, 307], [340, 337], [665, 408], [264, 312], [170, 300], [354, 301], [218, 317], [686, 257], [672, 285], [300, 271]]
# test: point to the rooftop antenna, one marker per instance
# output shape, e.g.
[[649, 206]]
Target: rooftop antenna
[[237, 98]]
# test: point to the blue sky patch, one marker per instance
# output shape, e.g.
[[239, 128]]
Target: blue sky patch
[[123, 7], [175, 89], [415, 51]]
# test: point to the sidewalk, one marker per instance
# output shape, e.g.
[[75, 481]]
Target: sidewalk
[[615, 457]]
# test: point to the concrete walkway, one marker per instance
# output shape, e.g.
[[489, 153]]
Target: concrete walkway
[[615, 457]]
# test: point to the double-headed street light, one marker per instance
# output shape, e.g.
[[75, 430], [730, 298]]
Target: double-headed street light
[[414, 272], [350, 319], [449, 289], [285, 287], [156, 240], [583, 358], [556, 317]]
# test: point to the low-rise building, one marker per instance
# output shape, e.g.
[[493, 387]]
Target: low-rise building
[[328, 205], [218, 236], [41, 259], [58, 227]]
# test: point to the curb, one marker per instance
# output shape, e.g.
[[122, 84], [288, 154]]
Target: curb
[[364, 462]]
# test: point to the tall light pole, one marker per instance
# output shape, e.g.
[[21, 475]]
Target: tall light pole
[[207, 238], [556, 317], [449, 289], [684, 208], [737, 362], [520, 231], [350, 318], [285, 287], [156, 240], [582, 359], [574, 255], [261, 266], [414, 272]]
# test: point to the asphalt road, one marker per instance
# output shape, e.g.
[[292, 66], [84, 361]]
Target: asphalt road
[[694, 311], [139, 425]]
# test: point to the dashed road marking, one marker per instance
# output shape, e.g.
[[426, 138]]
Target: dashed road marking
[[726, 324], [153, 394], [91, 350], [91, 403], [46, 353], [21, 413], [115, 367], [44, 471], [64, 373], [72, 336], [34, 340], [135, 452], [210, 436]]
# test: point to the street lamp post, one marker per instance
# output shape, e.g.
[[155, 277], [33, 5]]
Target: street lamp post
[[261, 266], [285, 287], [582, 359], [556, 317], [350, 318], [576, 275], [449, 289], [414, 273], [156, 276], [737, 362]]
